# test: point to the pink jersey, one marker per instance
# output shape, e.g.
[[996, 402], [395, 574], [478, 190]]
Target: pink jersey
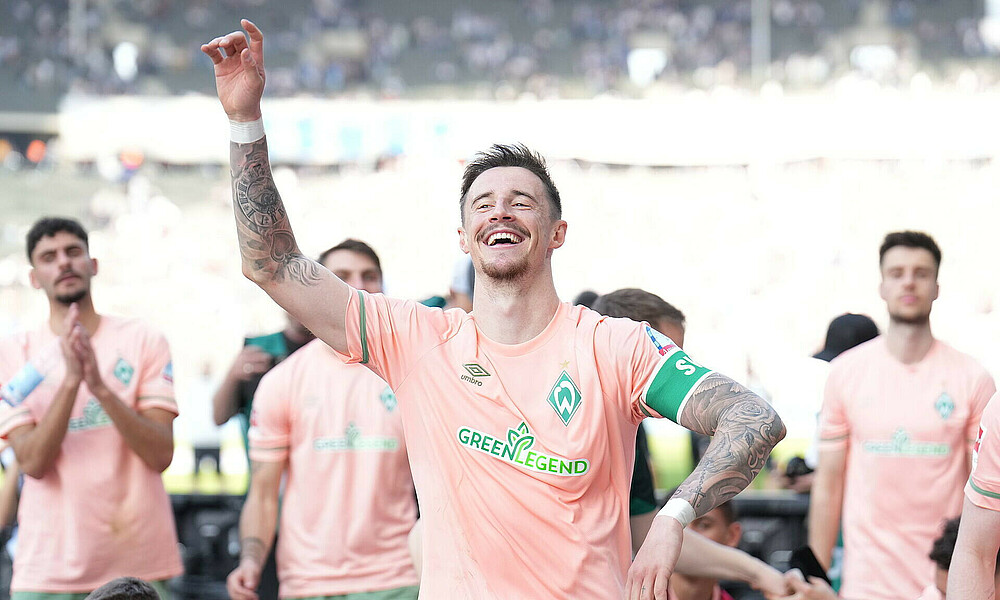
[[99, 512], [983, 488], [521, 454], [349, 503], [908, 430]]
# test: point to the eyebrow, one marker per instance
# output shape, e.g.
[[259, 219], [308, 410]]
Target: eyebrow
[[490, 193]]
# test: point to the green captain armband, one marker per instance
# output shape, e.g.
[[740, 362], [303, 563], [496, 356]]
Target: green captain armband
[[675, 377]]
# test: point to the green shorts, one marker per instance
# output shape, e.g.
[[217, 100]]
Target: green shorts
[[159, 586], [403, 593]]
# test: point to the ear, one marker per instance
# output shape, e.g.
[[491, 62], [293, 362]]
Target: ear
[[937, 290], [881, 289], [93, 266], [733, 534], [463, 241], [558, 235], [34, 280]]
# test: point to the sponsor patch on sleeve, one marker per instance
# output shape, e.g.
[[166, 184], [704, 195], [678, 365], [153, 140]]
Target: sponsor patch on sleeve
[[168, 372]]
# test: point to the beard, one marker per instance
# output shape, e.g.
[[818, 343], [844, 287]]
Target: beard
[[911, 319], [67, 299], [507, 272]]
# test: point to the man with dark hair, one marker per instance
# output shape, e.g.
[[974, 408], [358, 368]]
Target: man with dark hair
[[93, 435], [333, 431], [899, 416], [125, 588], [520, 418]]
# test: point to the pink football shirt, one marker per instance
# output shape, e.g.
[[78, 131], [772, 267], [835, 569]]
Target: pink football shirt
[[100, 512], [908, 431], [983, 488], [521, 454], [349, 503]]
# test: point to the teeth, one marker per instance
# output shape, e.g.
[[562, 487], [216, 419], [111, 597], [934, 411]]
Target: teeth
[[503, 236]]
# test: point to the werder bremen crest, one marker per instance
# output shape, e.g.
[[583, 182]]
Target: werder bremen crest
[[565, 398], [388, 399], [944, 405]]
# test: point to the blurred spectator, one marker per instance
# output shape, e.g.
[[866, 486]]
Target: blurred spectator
[[125, 588], [899, 417]]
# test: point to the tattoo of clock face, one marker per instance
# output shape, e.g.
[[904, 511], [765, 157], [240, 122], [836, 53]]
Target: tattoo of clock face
[[258, 199]]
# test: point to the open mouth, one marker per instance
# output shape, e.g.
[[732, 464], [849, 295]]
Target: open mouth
[[503, 238]]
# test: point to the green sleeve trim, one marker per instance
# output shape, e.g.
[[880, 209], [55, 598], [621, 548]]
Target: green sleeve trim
[[982, 491], [675, 378], [364, 330]]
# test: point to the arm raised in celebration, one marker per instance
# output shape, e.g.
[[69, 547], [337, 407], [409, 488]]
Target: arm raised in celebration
[[271, 256]]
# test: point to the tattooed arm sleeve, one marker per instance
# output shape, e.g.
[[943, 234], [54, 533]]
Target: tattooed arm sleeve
[[271, 256], [744, 428]]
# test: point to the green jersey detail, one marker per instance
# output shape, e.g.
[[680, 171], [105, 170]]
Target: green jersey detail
[[364, 332], [92, 418], [986, 493], [123, 371], [901, 445], [675, 378], [565, 398], [354, 441], [517, 451]]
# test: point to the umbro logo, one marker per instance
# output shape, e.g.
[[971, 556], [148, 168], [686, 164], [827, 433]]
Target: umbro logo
[[472, 374]]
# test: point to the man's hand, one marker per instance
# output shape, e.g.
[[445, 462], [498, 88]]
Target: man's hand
[[71, 329], [772, 583], [654, 563], [84, 351], [251, 362], [243, 581], [239, 71]]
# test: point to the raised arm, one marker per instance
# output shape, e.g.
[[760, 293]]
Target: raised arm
[[271, 256]]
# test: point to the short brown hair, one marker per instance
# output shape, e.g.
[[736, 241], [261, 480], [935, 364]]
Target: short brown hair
[[514, 155], [638, 305], [124, 588], [356, 246]]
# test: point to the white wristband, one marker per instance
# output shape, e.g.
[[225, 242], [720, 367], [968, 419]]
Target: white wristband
[[246, 132], [679, 509]]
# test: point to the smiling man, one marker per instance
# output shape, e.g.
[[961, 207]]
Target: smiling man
[[900, 414], [520, 417], [93, 437]]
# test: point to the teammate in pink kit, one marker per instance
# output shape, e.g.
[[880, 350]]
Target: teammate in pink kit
[[334, 430], [520, 417], [899, 417]]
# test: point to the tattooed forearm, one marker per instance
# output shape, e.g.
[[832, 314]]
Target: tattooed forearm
[[253, 548], [269, 250], [744, 428]]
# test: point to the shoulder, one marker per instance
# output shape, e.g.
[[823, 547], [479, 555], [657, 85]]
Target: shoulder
[[859, 355], [962, 360]]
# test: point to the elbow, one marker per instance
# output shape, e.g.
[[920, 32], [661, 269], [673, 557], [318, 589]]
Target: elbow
[[160, 461], [779, 428], [33, 469]]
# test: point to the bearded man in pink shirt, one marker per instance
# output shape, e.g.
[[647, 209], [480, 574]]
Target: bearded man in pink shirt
[[900, 414], [93, 436], [520, 417]]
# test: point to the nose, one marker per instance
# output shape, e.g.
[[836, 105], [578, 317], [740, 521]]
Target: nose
[[501, 212], [63, 261]]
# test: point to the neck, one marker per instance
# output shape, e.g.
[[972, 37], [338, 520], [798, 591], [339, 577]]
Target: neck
[[692, 588], [908, 342], [513, 312], [88, 316]]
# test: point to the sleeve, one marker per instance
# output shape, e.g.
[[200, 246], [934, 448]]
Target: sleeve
[[985, 389], [834, 427], [983, 488], [270, 421], [156, 383], [389, 336], [13, 356], [661, 375]]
